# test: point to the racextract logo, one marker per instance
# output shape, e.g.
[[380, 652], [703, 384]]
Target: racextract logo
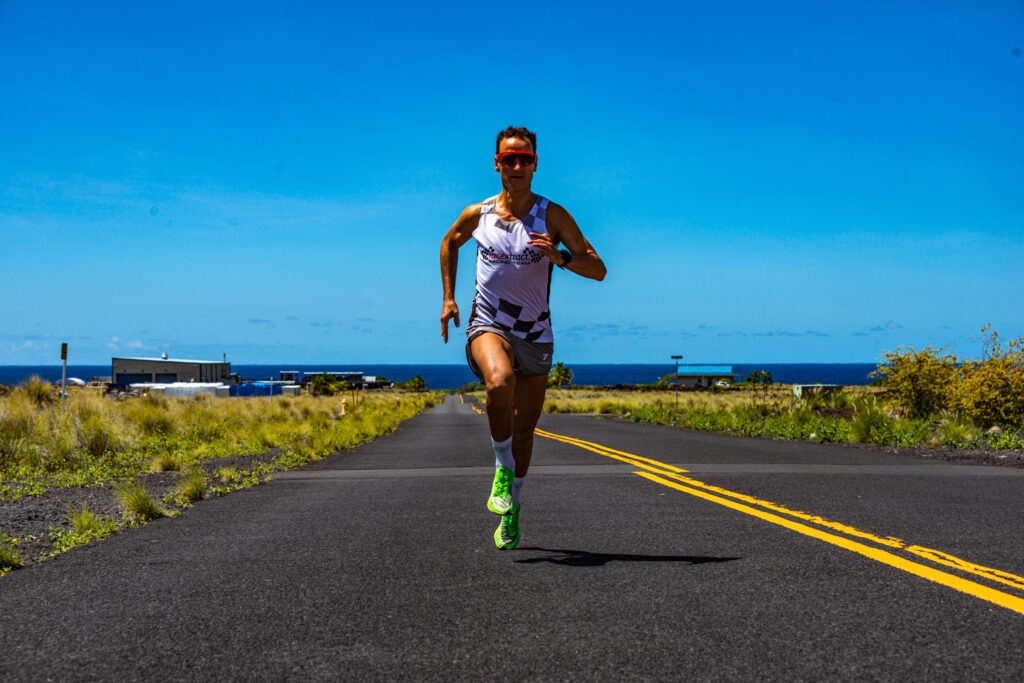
[[528, 257]]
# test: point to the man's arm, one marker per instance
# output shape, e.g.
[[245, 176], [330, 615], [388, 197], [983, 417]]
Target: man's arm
[[562, 228], [458, 234]]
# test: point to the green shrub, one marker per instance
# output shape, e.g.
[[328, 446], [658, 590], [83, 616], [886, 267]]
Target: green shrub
[[9, 556], [955, 433], [1005, 440], [227, 474], [96, 435], [166, 461], [833, 430], [137, 503], [327, 385], [991, 391], [920, 381], [871, 426], [38, 391], [193, 486], [152, 417]]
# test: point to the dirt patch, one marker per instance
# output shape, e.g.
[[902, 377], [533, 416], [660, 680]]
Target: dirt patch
[[33, 519]]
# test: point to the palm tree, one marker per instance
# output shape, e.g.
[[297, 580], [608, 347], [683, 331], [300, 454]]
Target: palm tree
[[560, 375]]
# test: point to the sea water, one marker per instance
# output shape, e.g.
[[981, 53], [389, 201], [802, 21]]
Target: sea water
[[453, 376]]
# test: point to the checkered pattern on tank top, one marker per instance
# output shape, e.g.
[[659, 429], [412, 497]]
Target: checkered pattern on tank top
[[513, 280]]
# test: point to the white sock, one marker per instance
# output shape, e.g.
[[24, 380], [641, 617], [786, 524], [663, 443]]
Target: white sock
[[503, 454], [517, 490]]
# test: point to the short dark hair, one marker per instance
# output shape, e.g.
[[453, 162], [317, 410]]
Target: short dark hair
[[516, 132]]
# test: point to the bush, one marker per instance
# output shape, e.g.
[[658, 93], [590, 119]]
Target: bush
[[193, 486], [991, 391], [9, 557], [37, 390], [920, 381], [137, 503], [871, 426], [955, 433], [416, 383], [327, 385]]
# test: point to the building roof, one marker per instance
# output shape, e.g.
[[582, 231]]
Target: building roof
[[170, 360], [705, 370]]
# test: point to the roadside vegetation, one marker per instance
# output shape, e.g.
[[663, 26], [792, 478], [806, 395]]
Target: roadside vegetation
[[921, 399], [98, 441]]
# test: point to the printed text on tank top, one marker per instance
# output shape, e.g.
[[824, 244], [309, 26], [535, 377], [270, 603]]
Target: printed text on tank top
[[512, 277]]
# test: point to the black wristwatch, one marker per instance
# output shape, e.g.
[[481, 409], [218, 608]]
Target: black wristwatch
[[566, 258]]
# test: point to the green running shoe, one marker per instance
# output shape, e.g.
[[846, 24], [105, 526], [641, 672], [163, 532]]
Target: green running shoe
[[506, 536], [500, 501]]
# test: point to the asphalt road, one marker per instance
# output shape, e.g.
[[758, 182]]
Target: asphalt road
[[763, 560]]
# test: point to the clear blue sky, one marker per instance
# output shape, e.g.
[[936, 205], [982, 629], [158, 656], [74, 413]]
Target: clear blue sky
[[777, 182]]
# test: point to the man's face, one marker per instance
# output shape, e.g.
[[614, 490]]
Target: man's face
[[516, 173]]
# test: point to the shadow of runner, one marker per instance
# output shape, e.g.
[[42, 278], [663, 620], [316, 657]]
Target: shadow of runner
[[583, 558]]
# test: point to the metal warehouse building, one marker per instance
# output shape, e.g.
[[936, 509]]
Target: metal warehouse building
[[691, 376], [166, 370]]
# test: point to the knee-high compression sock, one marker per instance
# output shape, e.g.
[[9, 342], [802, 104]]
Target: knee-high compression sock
[[503, 454], [517, 490]]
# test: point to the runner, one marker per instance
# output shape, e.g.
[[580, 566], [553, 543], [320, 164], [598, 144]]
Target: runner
[[510, 344]]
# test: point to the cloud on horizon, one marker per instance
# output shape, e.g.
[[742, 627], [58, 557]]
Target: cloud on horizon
[[115, 344], [775, 333], [891, 325], [601, 330]]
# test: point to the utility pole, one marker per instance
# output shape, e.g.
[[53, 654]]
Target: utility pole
[[677, 359]]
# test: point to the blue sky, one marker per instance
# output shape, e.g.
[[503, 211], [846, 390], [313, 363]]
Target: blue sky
[[776, 182]]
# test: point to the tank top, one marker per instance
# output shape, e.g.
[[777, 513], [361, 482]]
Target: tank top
[[513, 280]]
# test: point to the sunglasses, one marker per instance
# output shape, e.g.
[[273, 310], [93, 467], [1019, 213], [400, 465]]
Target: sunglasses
[[509, 159]]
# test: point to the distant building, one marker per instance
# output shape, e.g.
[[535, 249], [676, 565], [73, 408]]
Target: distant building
[[354, 379], [351, 377], [692, 376], [127, 371]]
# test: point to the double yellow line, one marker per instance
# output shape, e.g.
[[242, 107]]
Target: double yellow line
[[672, 477]]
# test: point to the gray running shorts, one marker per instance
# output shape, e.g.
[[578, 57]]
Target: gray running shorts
[[532, 358]]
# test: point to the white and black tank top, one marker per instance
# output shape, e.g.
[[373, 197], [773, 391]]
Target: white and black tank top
[[513, 280]]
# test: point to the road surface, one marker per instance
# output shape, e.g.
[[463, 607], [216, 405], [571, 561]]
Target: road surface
[[647, 553]]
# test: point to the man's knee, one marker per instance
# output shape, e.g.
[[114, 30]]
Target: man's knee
[[500, 386]]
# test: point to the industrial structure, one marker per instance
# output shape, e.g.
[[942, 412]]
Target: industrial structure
[[126, 371], [693, 376]]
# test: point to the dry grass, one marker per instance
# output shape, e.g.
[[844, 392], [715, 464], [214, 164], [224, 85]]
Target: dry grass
[[621, 402], [97, 438]]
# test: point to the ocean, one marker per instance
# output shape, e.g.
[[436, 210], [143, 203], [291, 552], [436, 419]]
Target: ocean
[[452, 376]]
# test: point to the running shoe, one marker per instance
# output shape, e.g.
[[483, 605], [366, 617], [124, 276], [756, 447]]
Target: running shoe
[[500, 501], [506, 536]]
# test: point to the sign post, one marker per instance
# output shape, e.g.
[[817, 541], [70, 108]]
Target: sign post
[[64, 372], [677, 359]]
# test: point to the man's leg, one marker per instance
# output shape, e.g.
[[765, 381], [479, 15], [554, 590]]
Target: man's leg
[[493, 357], [528, 403]]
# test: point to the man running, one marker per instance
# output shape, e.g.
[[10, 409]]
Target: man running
[[510, 343]]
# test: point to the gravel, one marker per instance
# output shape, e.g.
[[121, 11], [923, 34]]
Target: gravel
[[32, 519]]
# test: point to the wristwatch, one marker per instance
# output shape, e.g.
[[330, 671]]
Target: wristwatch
[[566, 257]]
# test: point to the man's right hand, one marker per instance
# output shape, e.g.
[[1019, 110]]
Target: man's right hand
[[448, 311]]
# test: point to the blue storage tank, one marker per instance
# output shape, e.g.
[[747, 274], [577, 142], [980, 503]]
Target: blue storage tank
[[257, 389]]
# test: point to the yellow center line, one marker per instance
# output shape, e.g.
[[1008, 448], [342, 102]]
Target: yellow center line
[[668, 475], [970, 587], [605, 450]]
